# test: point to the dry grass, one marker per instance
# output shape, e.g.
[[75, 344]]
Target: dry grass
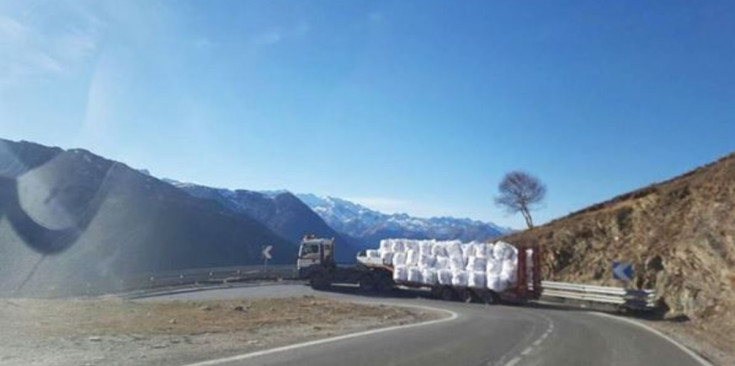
[[118, 332], [54, 318]]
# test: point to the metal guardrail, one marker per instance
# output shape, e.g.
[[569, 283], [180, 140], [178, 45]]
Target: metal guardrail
[[618, 296], [208, 276]]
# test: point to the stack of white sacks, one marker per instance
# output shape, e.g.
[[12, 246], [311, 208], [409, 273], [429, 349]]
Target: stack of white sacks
[[430, 262]]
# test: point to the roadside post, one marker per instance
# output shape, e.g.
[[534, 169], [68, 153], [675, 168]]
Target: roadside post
[[266, 252]]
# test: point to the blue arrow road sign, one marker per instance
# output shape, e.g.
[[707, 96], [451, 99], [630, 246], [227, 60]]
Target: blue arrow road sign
[[622, 271]]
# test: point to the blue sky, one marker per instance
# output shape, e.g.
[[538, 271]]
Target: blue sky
[[415, 106]]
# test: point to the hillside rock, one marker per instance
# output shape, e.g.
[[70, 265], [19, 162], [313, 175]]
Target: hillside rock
[[679, 234]]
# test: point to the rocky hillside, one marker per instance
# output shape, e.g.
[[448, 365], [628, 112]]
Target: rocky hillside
[[282, 212], [680, 235], [78, 218]]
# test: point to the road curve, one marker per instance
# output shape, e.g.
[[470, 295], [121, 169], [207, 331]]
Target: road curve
[[480, 335]]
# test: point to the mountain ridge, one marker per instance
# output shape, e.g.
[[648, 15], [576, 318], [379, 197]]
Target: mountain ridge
[[372, 226], [281, 211], [70, 218]]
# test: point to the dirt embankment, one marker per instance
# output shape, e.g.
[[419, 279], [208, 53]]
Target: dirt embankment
[[118, 332], [679, 234]]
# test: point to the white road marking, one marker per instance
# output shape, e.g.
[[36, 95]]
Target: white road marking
[[535, 343], [686, 350], [219, 361]]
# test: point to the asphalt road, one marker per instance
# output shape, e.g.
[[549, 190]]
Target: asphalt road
[[479, 335]]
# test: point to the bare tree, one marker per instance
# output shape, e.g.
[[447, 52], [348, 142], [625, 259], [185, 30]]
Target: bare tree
[[520, 192]]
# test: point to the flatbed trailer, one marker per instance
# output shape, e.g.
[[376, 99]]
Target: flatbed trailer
[[316, 265]]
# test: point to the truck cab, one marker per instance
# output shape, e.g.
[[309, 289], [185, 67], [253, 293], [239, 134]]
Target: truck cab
[[316, 263], [315, 254]]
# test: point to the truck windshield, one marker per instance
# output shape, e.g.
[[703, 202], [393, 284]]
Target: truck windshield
[[309, 249]]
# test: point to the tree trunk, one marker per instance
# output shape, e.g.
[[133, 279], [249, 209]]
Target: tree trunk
[[527, 217]]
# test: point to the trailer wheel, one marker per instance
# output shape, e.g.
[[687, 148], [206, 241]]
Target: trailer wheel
[[367, 284], [490, 297], [385, 283], [318, 281], [447, 293], [465, 295]]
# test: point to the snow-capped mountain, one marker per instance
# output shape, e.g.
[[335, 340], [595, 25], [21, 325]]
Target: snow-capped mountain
[[371, 226], [280, 211]]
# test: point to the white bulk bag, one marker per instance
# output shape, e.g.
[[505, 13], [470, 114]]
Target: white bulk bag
[[386, 245], [425, 246], [400, 273], [426, 260], [478, 249], [456, 263], [399, 259], [398, 246], [438, 249], [459, 278], [509, 277], [493, 267], [503, 251], [412, 257], [467, 250], [441, 262], [490, 250], [476, 264], [476, 279], [496, 284], [412, 245], [444, 276], [429, 276], [372, 253], [453, 248], [509, 272], [414, 274], [387, 258], [509, 265]]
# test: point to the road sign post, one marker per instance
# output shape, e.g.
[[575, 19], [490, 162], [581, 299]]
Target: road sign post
[[266, 256]]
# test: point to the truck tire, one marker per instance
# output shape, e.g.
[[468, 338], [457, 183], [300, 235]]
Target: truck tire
[[385, 284], [319, 281], [464, 295], [366, 283], [447, 294], [490, 297]]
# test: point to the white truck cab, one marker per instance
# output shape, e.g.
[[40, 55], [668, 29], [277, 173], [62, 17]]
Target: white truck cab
[[315, 252]]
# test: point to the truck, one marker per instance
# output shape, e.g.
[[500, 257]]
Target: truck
[[316, 264]]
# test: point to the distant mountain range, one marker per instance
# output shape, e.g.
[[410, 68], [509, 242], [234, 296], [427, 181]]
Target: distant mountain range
[[354, 226], [280, 211], [370, 226]]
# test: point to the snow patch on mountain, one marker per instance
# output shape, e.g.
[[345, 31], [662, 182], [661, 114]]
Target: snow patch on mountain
[[371, 225]]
